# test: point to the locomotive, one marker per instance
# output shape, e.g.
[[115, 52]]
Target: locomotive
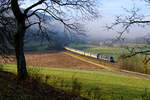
[[90, 54]]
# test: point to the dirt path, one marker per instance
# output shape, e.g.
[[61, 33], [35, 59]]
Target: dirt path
[[90, 62]]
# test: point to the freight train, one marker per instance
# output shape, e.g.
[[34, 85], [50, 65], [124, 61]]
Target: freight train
[[90, 54]]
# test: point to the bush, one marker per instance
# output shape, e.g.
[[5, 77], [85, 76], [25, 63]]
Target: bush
[[1, 67], [135, 64]]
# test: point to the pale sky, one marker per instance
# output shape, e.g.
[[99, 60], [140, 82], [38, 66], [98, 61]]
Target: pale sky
[[112, 8], [108, 10]]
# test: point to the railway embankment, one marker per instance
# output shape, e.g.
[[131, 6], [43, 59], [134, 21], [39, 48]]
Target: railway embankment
[[109, 67]]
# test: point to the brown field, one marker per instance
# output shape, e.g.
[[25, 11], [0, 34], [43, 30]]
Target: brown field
[[56, 59]]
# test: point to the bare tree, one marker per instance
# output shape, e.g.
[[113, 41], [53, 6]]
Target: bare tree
[[127, 22], [7, 27], [64, 11]]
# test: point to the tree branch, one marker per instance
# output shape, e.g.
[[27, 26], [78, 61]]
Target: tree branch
[[32, 6]]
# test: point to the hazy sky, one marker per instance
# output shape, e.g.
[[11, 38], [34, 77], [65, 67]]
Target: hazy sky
[[108, 10], [111, 8]]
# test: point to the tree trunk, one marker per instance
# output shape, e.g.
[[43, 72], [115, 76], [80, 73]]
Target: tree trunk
[[19, 40], [19, 49]]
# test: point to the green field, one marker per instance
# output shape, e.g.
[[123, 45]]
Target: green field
[[36, 45], [107, 85], [114, 51], [109, 51]]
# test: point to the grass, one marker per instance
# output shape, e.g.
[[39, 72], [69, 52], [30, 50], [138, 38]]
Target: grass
[[33, 88], [81, 46], [36, 45], [109, 51], [108, 85], [114, 51]]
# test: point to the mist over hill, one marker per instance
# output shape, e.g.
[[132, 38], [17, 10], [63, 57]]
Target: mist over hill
[[54, 36]]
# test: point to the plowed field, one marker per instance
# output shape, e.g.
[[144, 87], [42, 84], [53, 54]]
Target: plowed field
[[56, 59]]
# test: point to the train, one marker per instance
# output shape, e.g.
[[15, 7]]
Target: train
[[91, 54]]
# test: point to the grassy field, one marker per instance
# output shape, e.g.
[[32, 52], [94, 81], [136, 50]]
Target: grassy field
[[114, 51], [110, 51], [37, 46], [93, 84]]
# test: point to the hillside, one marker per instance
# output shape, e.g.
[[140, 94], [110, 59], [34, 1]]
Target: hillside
[[31, 89], [100, 85]]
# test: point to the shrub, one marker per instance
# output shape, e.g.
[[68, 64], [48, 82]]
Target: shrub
[[76, 86], [1, 67], [135, 64]]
